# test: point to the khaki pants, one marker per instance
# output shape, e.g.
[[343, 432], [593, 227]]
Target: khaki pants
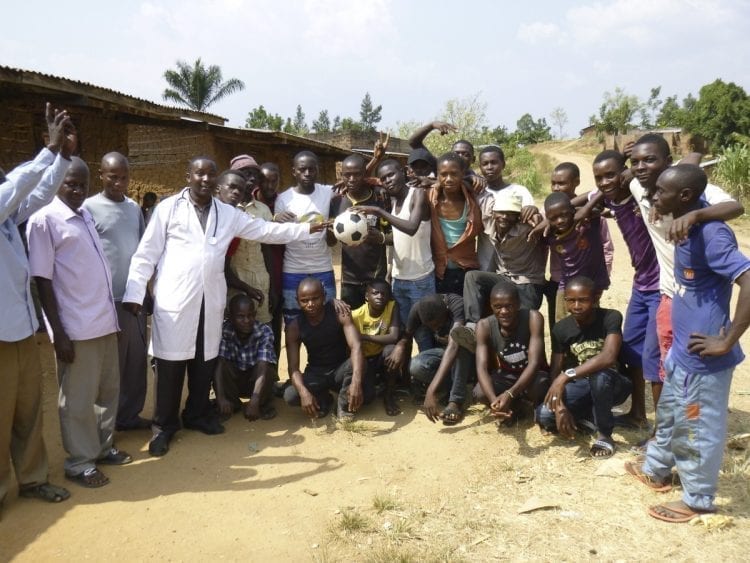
[[21, 415], [87, 402]]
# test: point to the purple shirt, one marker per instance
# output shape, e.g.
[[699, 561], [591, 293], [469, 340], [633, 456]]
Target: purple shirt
[[64, 247], [705, 267], [580, 253], [642, 253]]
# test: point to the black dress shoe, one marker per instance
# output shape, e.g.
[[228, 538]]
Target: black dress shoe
[[159, 445], [210, 426]]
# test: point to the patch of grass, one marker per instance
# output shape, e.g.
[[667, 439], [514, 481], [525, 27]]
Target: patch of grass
[[357, 427], [733, 171], [383, 502], [352, 521], [392, 554]]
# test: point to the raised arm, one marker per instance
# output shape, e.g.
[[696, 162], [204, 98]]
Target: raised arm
[[416, 141]]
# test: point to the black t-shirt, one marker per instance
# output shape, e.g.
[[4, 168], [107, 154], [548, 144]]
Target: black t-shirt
[[325, 342], [455, 305], [512, 350], [580, 344], [365, 262]]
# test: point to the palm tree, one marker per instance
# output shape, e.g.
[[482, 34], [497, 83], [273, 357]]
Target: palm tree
[[198, 86]]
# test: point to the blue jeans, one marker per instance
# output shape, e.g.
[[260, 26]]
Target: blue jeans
[[590, 398], [425, 364], [289, 283], [690, 432], [407, 293]]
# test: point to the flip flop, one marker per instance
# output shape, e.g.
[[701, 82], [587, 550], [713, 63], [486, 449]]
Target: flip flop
[[268, 412], [635, 470], [451, 415], [46, 491], [675, 512], [391, 407], [602, 446]]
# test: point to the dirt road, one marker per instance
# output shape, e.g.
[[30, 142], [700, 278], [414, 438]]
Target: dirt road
[[383, 489]]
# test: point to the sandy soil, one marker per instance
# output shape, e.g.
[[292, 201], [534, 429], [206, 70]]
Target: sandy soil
[[383, 489]]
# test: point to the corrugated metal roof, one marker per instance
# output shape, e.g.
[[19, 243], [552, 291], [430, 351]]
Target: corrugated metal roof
[[40, 79]]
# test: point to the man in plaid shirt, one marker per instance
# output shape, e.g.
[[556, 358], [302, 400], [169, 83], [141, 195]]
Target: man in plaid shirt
[[247, 363]]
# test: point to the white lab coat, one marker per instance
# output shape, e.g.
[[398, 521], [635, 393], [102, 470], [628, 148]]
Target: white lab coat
[[189, 266]]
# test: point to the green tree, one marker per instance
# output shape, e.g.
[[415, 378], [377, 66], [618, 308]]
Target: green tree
[[289, 126], [649, 110], [198, 86], [616, 113], [721, 109], [259, 118], [299, 125], [323, 123], [369, 116], [559, 118], [670, 113], [530, 131], [348, 124], [336, 126]]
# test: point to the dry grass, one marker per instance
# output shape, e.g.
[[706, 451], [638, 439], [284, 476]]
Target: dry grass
[[593, 517]]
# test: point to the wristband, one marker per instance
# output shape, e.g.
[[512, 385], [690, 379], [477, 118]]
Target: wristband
[[510, 394]]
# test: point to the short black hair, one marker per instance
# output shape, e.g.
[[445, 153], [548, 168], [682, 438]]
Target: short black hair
[[556, 198], [309, 280], [241, 299], [452, 157], [431, 308], [270, 166], [380, 283], [688, 177], [655, 139], [304, 154], [505, 288], [569, 167], [582, 282], [228, 173], [358, 158], [611, 155], [390, 162], [493, 148], [149, 196], [197, 158], [464, 142]]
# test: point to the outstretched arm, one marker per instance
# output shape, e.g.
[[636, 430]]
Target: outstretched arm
[[416, 141], [420, 211]]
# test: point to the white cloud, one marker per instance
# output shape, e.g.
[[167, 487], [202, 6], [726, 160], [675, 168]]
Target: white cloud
[[537, 32]]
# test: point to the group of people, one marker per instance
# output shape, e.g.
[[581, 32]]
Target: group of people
[[443, 292]]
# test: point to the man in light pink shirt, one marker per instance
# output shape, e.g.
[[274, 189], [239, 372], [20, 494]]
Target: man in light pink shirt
[[68, 263]]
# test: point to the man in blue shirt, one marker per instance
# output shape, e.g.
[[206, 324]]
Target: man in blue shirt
[[692, 412], [26, 189]]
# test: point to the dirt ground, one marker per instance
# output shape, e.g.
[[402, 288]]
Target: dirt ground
[[381, 489]]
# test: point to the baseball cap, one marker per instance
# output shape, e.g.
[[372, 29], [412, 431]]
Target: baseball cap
[[507, 201]]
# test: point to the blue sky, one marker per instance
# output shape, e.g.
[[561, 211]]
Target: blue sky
[[411, 55]]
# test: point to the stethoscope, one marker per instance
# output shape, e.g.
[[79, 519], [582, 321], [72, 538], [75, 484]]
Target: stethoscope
[[212, 240]]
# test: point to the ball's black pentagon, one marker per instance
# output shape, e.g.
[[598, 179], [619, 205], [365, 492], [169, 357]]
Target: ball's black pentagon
[[354, 218], [340, 228], [356, 235]]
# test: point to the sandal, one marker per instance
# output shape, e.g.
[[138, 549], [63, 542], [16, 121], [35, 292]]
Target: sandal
[[452, 414], [635, 470], [602, 449], [389, 402], [46, 491], [92, 478], [675, 512], [268, 412]]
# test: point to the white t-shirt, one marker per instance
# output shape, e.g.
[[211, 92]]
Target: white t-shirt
[[658, 231], [312, 255]]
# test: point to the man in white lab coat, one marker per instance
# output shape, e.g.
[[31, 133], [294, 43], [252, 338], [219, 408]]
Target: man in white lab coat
[[185, 244]]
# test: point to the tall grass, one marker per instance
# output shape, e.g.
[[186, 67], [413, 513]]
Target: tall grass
[[527, 169], [733, 170]]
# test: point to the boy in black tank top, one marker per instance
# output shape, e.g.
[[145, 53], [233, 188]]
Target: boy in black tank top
[[515, 337], [335, 361]]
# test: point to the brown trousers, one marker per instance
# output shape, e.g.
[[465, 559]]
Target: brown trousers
[[21, 439]]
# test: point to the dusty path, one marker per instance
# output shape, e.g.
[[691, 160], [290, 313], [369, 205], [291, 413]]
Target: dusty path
[[284, 490]]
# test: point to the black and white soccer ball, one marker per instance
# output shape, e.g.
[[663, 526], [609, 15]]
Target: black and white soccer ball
[[350, 228]]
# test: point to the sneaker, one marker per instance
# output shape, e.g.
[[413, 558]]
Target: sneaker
[[466, 336], [115, 457]]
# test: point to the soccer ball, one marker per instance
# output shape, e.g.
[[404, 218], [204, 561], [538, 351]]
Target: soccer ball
[[350, 228]]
